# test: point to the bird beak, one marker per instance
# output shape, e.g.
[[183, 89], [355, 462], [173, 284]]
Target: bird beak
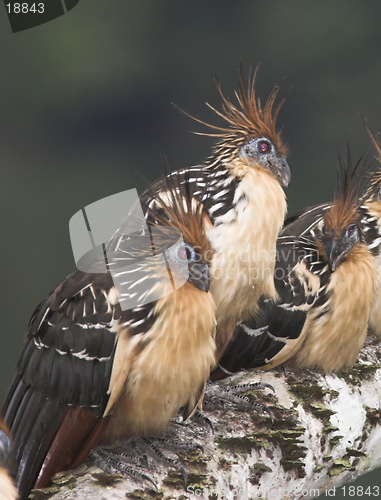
[[284, 172], [336, 252], [280, 170], [199, 276]]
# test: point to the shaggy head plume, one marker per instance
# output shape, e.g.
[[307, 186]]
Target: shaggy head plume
[[348, 196], [247, 120], [180, 210]]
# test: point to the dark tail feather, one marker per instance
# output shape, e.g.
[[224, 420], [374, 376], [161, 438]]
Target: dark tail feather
[[78, 432], [33, 421], [47, 436]]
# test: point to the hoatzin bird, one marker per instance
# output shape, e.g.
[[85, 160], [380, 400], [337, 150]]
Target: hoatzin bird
[[92, 372], [7, 488], [325, 281], [308, 223], [240, 188]]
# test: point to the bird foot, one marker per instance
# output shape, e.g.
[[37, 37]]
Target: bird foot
[[120, 461], [215, 392], [133, 457], [200, 418], [254, 386], [178, 445], [157, 454]]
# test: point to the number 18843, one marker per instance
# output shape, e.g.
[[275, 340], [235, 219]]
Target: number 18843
[[360, 491], [24, 8]]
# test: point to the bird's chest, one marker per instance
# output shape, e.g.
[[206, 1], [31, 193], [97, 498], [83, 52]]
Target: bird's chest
[[244, 238], [337, 329], [170, 365]]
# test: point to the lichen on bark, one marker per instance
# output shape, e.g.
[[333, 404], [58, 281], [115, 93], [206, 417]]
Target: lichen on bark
[[327, 432]]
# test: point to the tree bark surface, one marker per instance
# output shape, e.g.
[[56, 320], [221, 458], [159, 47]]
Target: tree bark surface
[[326, 433]]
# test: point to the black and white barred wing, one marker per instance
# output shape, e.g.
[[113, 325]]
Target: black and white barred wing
[[215, 189], [70, 342], [270, 335], [305, 223]]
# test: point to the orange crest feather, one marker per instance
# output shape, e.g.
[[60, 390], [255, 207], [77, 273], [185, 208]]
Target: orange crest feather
[[250, 119], [348, 196], [180, 210]]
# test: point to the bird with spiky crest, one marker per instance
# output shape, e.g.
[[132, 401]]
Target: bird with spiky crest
[[307, 223], [325, 285], [249, 120], [92, 371], [240, 187]]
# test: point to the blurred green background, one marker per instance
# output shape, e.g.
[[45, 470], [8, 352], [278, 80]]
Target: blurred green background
[[85, 103]]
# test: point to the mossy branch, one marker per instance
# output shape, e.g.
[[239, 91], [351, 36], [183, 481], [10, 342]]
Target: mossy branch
[[327, 432]]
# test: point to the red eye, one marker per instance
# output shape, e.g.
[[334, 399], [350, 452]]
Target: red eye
[[263, 147], [182, 254], [186, 252]]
